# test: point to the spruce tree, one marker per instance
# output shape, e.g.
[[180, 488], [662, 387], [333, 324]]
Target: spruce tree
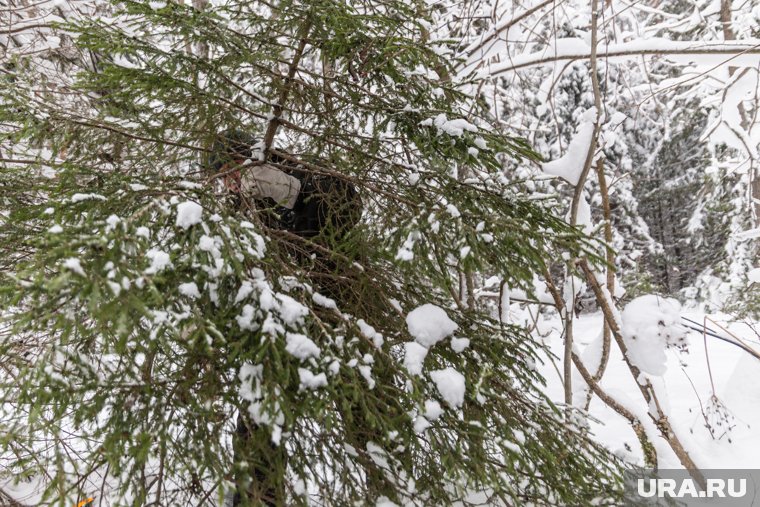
[[145, 308]]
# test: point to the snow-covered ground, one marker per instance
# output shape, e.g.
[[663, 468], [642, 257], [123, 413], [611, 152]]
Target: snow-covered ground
[[685, 389]]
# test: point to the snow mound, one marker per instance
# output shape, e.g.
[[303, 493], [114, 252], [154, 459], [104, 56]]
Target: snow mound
[[650, 325], [450, 384], [291, 311], [429, 324], [459, 344], [742, 392], [370, 333], [188, 214]]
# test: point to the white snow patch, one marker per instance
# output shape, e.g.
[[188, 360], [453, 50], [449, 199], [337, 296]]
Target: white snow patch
[[454, 128], [73, 264], [291, 311], [453, 211], [245, 319], [650, 324], [433, 410], [414, 356], [311, 381], [206, 244], [366, 372], [113, 221], [159, 260], [115, 288], [244, 291], [421, 424], [429, 324], [324, 301], [301, 346], [189, 289], [189, 213], [459, 344], [451, 386], [370, 333], [570, 165], [87, 197]]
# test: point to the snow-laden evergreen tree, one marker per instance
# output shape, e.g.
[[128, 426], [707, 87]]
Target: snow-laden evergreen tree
[[145, 308]]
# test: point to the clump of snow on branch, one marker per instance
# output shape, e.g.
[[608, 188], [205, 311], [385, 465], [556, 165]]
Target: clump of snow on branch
[[190, 290], [455, 128], [301, 346], [73, 264], [451, 386], [159, 260], [309, 380], [570, 165], [650, 325], [188, 214], [414, 356], [429, 324]]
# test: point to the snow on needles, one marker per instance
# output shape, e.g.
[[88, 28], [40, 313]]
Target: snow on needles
[[650, 325], [454, 128], [429, 324], [450, 384], [301, 346], [73, 264], [159, 260], [309, 380], [188, 214], [414, 356], [190, 290]]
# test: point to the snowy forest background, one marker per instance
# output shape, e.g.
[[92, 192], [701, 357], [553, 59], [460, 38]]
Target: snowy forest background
[[645, 118]]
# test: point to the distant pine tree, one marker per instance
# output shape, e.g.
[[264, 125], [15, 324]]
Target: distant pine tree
[[146, 309]]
